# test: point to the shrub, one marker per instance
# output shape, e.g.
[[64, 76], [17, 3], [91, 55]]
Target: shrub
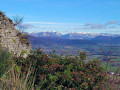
[[4, 61], [56, 72]]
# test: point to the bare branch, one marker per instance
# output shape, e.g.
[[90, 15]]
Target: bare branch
[[17, 20]]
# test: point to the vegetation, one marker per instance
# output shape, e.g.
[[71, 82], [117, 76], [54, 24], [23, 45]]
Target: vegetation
[[103, 51], [4, 61], [41, 71], [17, 20]]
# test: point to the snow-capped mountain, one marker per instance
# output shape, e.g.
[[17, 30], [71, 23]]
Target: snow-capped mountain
[[80, 35], [46, 34], [84, 35], [73, 35]]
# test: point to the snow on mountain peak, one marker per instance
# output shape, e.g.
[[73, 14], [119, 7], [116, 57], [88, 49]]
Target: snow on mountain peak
[[72, 35]]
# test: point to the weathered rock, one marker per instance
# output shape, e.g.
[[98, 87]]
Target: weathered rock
[[10, 39]]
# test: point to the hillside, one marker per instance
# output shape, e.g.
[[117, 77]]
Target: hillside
[[58, 41]]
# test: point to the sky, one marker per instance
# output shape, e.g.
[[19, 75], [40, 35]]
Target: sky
[[65, 16]]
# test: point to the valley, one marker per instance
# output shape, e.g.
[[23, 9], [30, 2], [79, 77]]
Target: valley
[[105, 48]]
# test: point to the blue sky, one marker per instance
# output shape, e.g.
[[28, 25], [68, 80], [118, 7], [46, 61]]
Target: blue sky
[[64, 16]]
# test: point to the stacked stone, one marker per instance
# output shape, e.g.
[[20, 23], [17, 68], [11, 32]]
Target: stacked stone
[[9, 37]]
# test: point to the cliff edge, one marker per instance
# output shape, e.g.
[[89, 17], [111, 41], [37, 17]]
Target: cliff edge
[[11, 38]]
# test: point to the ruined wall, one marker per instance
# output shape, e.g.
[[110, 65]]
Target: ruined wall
[[10, 38]]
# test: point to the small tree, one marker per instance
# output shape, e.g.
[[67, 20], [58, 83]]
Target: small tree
[[17, 20]]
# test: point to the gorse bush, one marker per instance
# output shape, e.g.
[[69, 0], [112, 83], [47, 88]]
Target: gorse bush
[[55, 72]]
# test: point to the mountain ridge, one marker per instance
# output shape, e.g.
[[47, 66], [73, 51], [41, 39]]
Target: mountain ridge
[[73, 35]]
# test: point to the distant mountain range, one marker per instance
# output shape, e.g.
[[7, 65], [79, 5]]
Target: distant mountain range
[[49, 39], [46, 34], [57, 41], [74, 35]]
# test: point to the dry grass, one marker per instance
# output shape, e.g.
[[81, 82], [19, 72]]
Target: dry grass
[[15, 80]]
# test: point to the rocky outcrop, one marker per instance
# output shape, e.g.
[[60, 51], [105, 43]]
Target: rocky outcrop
[[11, 38]]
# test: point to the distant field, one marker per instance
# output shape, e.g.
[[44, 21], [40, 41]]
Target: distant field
[[100, 52]]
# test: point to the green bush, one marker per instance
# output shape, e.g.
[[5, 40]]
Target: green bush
[[55, 72], [4, 61]]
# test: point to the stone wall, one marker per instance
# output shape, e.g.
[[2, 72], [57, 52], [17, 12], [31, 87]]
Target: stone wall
[[10, 38]]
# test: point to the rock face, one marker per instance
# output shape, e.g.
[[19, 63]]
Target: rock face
[[11, 38]]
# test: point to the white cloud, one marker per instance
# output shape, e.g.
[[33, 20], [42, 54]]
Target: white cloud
[[54, 23], [111, 22]]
